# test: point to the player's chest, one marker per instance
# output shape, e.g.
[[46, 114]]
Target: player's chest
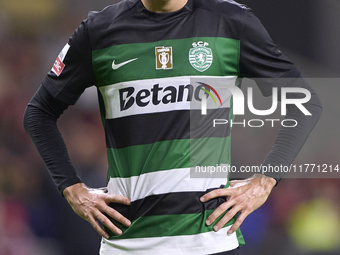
[[197, 56]]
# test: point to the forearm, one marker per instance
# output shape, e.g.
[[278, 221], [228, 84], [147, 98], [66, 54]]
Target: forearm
[[290, 140], [40, 123]]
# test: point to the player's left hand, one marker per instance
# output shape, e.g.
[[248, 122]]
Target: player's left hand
[[243, 196]]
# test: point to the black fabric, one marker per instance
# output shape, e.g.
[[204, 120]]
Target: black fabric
[[145, 128], [289, 140], [260, 57], [77, 74], [232, 252], [40, 124], [129, 22], [168, 204]]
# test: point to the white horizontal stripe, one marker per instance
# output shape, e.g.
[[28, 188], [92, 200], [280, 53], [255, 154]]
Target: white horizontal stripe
[[115, 97], [201, 244], [161, 182]]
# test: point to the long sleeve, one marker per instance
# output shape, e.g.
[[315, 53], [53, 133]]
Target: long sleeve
[[40, 123], [261, 60], [289, 140]]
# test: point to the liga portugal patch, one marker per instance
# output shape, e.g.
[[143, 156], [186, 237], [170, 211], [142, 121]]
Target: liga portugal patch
[[59, 66]]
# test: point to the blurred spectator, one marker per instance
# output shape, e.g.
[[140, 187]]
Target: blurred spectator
[[314, 224]]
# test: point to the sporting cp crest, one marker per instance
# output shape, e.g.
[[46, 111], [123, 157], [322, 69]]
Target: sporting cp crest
[[200, 56]]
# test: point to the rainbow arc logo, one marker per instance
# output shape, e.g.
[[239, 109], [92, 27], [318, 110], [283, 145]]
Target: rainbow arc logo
[[204, 99]]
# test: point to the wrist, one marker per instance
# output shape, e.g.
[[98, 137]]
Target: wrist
[[69, 191], [267, 181]]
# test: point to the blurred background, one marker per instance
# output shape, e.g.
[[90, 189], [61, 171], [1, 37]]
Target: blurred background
[[302, 216]]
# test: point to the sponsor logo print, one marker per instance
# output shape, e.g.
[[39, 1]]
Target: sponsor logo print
[[200, 56], [116, 66], [58, 65], [206, 91], [163, 57], [204, 99], [159, 95]]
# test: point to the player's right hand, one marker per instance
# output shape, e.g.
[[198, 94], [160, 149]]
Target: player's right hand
[[92, 205]]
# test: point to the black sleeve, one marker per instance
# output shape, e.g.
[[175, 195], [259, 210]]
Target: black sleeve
[[40, 123], [72, 72], [259, 56], [70, 75], [289, 140], [261, 60]]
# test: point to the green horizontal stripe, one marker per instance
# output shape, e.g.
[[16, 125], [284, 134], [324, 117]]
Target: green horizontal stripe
[[167, 225], [166, 155], [225, 60], [240, 237]]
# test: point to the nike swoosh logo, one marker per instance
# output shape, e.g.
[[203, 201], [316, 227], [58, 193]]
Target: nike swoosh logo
[[115, 67]]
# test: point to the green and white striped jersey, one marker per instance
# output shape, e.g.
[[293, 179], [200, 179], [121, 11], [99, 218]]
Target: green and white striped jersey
[[143, 65]]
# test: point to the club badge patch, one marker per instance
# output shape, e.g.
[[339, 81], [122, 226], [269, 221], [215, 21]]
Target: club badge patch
[[200, 56], [163, 57], [58, 65]]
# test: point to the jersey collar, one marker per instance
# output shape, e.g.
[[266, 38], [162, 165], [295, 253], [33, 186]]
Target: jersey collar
[[165, 16]]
